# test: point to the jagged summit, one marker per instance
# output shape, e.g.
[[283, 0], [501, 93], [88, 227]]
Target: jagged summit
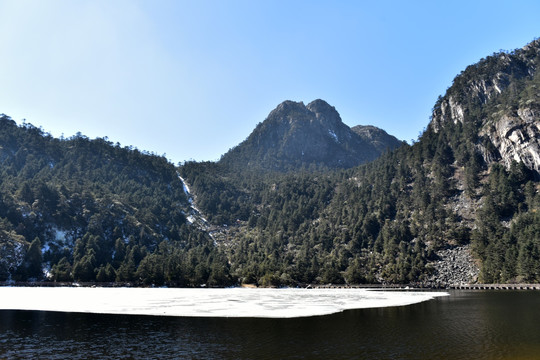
[[298, 136], [380, 139]]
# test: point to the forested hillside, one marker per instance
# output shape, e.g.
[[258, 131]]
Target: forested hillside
[[470, 182], [291, 204], [88, 210]]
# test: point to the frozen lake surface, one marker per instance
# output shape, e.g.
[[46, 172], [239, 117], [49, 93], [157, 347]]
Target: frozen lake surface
[[233, 302]]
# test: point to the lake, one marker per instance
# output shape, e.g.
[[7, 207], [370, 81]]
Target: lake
[[464, 325]]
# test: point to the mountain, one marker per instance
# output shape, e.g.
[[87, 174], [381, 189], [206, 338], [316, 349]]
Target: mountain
[[288, 206], [88, 210], [295, 136], [498, 99], [459, 205]]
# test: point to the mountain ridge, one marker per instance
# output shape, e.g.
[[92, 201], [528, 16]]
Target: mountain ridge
[[508, 90], [460, 205], [391, 220], [296, 136]]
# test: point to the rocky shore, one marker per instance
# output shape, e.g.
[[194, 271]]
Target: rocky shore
[[454, 267]]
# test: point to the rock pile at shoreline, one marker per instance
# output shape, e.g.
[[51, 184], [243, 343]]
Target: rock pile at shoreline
[[455, 266]]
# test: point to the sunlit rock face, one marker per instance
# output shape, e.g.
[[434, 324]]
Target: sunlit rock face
[[516, 137], [499, 98], [511, 135]]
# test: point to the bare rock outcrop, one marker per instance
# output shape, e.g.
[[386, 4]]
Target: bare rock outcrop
[[455, 266], [508, 131], [296, 136], [516, 138]]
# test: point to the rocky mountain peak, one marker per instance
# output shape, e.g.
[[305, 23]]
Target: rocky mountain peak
[[378, 137], [296, 112], [325, 113], [322, 108], [287, 108], [295, 135]]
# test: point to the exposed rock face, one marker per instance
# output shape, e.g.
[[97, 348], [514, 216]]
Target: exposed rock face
[[454, 267], [379, 138], [510, 130], [516, 138], [295, 135]]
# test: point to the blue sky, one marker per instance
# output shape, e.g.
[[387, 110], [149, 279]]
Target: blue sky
[[191, 79]]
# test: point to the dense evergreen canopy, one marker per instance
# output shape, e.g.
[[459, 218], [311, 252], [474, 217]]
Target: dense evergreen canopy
[[90, 210]]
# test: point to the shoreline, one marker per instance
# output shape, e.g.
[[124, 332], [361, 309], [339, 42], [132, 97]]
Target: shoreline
[[304, 286]]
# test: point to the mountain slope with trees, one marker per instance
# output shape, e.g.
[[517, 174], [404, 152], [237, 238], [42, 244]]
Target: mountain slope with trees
[[291, 204], [469, 182], [88, 210]]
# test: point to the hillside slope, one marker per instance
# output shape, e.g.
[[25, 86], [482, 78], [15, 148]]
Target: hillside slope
[[87, 210], [470, 183], [378, 138], [287, 206]]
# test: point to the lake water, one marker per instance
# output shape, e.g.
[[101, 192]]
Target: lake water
[[464, 325]]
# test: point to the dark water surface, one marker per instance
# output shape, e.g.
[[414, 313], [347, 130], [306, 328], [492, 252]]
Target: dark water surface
[[465, 325]]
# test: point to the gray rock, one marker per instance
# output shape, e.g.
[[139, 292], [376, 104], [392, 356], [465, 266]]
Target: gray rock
[[455, 266]]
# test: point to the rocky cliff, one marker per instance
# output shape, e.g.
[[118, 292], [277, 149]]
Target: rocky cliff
[[500, 97], [379, 138], [515, 137]]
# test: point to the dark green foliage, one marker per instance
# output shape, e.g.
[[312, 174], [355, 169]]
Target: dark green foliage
[[93, 211], [509, 255], [327, 226], [31, 266]]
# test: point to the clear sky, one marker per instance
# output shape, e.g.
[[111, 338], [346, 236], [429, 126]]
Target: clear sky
[[191, 79]]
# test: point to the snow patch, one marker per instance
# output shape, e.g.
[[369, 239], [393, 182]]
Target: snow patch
[[46, 247], [186, 189], [195, 215], [60, 235], [333, 135]]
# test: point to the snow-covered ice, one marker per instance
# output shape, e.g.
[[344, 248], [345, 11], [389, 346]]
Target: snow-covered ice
[[233, 302]]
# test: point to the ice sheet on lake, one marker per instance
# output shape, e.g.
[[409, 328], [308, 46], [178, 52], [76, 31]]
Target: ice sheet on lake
[[234, 302]]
